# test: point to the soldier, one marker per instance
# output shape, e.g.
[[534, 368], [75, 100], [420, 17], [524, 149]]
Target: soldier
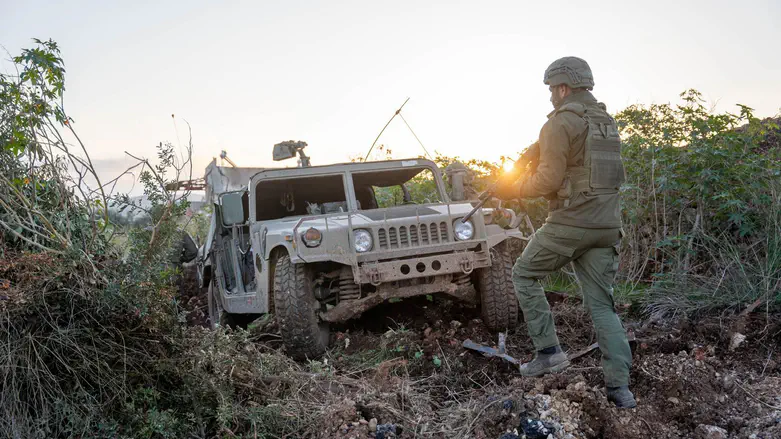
[[580, 172]]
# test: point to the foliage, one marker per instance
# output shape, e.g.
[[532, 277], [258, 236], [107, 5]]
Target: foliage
[[700, 206], [86, 339], [38, 170]]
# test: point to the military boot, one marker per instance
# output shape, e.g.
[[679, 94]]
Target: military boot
[[622, 397], [549, 360]]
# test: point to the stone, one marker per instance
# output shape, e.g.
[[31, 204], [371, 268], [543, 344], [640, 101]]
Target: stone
[[710, 432], [373, 424], [728, 383], [736, 340]]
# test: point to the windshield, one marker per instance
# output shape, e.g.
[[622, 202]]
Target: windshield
[[300, 195], [395, 187]]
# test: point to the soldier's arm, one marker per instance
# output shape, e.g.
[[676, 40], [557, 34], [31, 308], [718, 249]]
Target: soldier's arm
[[531, 156], [554, 147]]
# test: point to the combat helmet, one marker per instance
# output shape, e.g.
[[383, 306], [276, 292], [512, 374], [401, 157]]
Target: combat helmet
[[569, 70]]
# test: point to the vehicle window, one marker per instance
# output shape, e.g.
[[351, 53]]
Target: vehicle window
[[395, 187], [313, 195]]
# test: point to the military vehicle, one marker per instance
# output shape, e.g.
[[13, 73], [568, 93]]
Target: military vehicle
[[318, 245]]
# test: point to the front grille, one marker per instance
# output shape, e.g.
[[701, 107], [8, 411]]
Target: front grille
[[415, 235]]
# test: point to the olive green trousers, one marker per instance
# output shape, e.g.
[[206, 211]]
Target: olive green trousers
[[594, 254]]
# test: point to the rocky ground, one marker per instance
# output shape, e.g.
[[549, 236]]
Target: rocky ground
[[401, 372]]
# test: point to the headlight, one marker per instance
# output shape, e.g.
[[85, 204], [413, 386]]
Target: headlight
[[463, 230], [363, 240], [312, 237]]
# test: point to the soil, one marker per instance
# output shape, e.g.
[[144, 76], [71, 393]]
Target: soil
[[406, 369], [192, 299]]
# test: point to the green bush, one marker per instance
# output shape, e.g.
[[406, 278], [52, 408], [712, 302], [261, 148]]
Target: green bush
[[701, 206], [90, 342]]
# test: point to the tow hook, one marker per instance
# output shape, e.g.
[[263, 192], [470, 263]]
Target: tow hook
[[466, 266], [374, 277]]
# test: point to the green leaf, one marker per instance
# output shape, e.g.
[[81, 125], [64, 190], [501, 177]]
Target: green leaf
[[437, 362]]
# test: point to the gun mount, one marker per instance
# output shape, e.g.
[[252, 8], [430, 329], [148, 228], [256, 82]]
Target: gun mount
[[288, 149]]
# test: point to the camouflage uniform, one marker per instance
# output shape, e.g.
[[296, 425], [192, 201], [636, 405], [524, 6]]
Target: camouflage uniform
[[584, 224]]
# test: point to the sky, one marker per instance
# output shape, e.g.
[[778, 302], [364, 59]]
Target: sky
[[247, 75]]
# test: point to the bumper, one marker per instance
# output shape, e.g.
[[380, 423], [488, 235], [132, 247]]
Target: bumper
[[376, 273]]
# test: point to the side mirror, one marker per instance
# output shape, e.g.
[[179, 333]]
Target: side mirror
[[233, 212]]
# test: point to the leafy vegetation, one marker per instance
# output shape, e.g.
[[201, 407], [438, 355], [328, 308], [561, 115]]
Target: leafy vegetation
[[701, 207]]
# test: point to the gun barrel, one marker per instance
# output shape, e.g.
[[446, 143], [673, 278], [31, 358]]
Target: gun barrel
[[474, 210]]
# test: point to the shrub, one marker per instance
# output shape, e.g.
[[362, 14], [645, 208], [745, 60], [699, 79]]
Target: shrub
[[701, 206]]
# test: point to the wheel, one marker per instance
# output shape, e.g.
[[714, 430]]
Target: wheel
[[304, 335], [215, 309], [218, 317], [498, 304]]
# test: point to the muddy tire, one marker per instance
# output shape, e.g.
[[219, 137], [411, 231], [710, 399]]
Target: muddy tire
[[218, 317], [215, 310], [304, 335], [498, 304]]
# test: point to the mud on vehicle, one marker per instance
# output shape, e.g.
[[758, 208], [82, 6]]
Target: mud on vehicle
[[323, 244]]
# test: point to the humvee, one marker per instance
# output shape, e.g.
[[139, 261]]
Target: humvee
[[317, 245]]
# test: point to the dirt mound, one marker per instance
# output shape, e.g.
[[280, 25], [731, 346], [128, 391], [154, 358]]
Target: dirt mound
[[400, 371]]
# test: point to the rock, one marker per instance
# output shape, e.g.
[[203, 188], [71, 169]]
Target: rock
[[373, 424], [728, 383], [536, 429], [674, 400], [710, 432], [736, 340], [387, 431]]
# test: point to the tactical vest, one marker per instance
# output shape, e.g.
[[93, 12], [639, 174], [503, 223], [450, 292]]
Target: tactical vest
[[602, 171]]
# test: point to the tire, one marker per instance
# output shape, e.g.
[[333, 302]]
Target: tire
[[218, 317], [303, 334], [215, 309], [498, 304]]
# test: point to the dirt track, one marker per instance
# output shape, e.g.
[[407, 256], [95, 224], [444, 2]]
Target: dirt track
[[403, 365]]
